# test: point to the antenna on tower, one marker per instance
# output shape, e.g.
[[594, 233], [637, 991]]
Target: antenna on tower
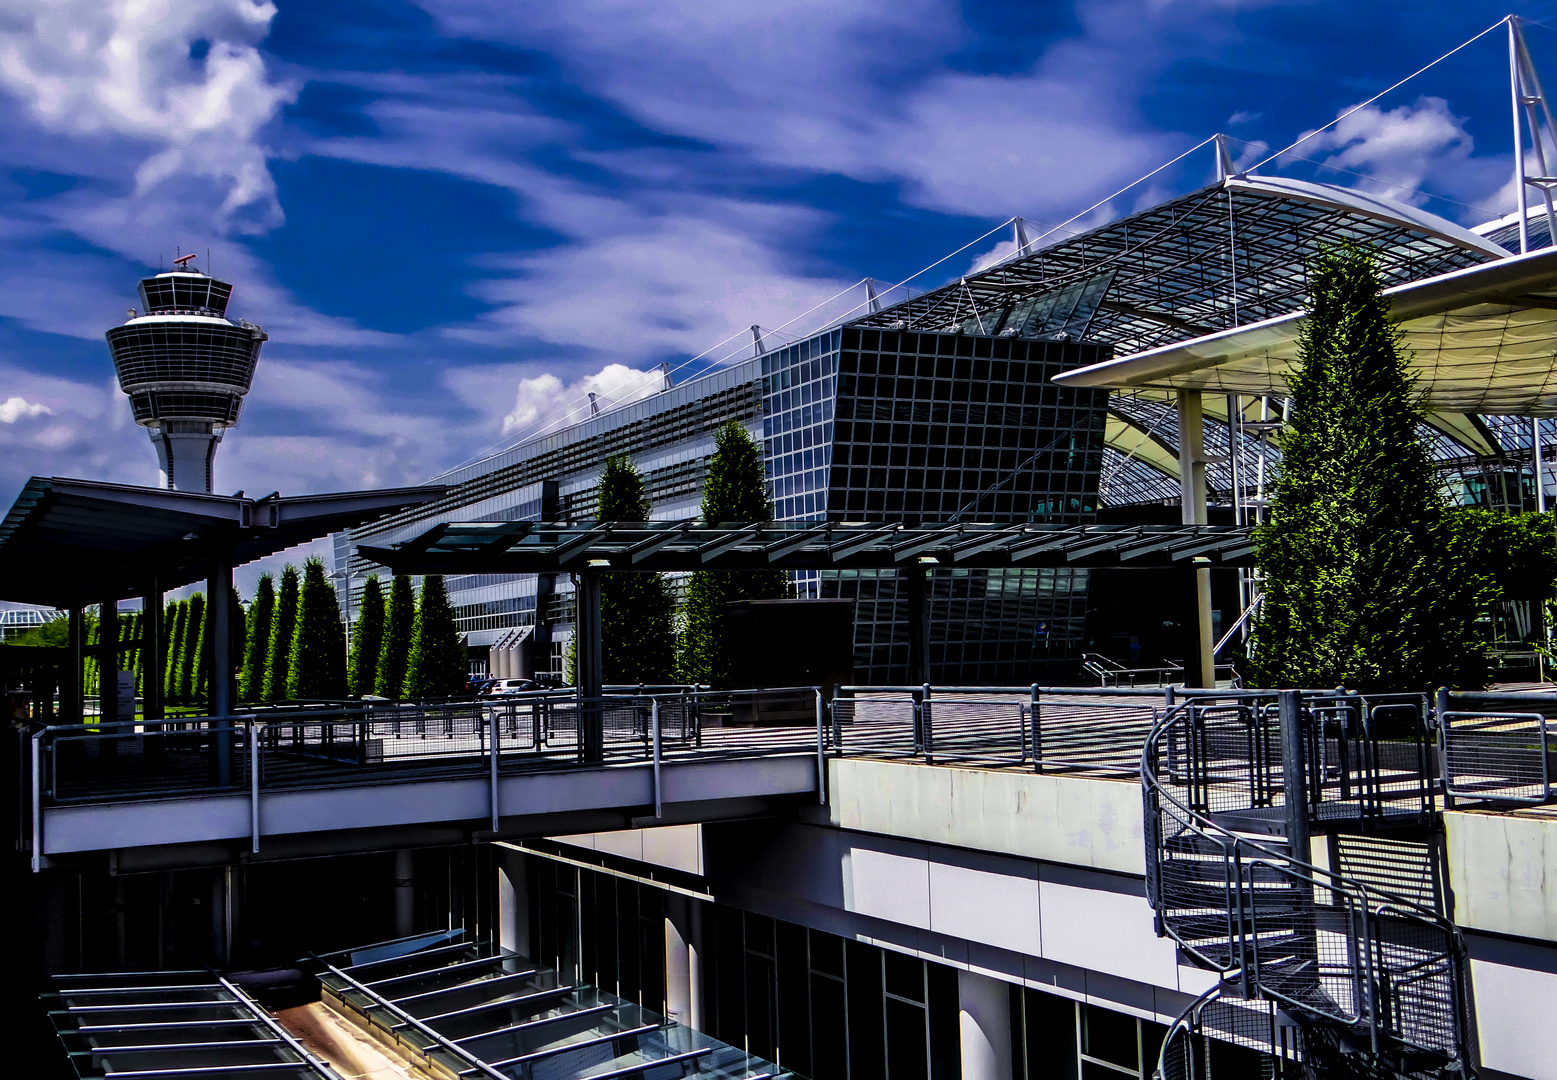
[[182, 262], [1525, 91]]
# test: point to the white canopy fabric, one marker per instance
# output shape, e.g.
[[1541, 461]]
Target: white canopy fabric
[[1480, 340]]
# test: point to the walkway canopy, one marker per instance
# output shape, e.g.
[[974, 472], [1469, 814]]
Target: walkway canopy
[[70, 543], [528, 547], [1480, 340]]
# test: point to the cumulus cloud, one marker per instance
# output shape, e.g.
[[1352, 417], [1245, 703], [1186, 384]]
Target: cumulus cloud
[[1396, 149], [183, 80], [544, 401], [16, 407]]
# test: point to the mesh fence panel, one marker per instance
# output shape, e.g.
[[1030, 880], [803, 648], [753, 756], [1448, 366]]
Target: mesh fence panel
[[1501, 756]]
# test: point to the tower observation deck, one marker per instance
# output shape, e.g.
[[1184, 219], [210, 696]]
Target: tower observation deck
[[186, 367]]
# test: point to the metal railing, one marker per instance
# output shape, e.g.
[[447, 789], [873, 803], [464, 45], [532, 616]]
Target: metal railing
[[1388, 971], [1082, 730], [1499, 749]]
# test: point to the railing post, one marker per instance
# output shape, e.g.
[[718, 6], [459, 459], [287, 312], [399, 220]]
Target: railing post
[[1289, 705], [821, 751], [654, 721], [1035, 726], [254, 785], [37, 800], [492, 740], [925, 723], [1440, 710]]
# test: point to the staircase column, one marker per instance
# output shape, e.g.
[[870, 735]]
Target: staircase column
[[1294, 778], [682, 925], [1192, 500], [984, 1020]]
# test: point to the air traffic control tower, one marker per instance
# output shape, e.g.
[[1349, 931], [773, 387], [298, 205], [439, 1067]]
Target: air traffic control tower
[[186, 367]]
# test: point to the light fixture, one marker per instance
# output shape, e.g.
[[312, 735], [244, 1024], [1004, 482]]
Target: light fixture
[[599, 562], [930, 560]]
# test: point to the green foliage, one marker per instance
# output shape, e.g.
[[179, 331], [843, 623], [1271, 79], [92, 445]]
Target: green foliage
[[437, 664], [367, 638], [734, 493], [317, 665], [54, 633], [256, 636], [193, 651], [399, 621], [177, 620], [1362, 585], [278, 653], [637, 643]]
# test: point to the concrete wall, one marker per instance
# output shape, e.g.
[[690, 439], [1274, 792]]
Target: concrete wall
[[676, 847], [1060, 819], [1503, 871]]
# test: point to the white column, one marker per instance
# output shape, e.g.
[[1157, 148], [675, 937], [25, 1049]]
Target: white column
[[984, 1019], [1192, 487], [513, 903], [682, 925]]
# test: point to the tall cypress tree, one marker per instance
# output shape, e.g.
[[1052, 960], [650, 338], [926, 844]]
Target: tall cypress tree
[[635, 609], [1357, 533], [317, 667], [278, 654], [367, 637], [256, 635], [735, 492], [437, 664], [399, 621], [193, 652], [177, 617]]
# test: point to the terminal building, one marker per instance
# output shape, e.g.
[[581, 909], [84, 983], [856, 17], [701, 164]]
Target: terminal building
[[941, 409]]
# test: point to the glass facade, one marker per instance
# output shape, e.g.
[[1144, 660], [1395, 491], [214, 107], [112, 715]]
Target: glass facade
[[856, 424]]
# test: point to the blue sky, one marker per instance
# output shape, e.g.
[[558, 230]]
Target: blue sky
[[455, 217]]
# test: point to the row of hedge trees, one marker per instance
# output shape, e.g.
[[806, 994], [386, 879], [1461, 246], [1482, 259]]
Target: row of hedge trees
[[294, 643]]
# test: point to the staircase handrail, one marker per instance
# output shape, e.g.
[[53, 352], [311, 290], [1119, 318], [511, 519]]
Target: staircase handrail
[[1186, 1023], [1236, 846]]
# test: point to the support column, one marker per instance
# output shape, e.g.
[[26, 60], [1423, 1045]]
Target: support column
[[72, 708], [984, 1019], [683, 945], [218, 607], [513, 902], [108, 665], [1289, 706], [1192, 488], [916, 580], [152, 660], [405, 893], [588, 662]]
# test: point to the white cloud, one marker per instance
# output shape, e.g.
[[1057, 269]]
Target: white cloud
[[544, 401], [125, 71], [15, 407], [1396, 149]]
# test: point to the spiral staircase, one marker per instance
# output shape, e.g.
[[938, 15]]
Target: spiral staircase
[[1247, 797]]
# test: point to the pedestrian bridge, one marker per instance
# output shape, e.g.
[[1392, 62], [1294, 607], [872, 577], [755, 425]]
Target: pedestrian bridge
[[307, 780]]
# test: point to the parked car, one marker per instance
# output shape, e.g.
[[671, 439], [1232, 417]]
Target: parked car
[[477, 684], [506, 687]]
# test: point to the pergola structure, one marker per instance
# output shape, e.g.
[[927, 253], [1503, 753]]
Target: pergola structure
[[73, 543], [589, 549]]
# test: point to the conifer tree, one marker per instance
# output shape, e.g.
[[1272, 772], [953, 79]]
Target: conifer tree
[[734, 493], [367, 637], [637, 642], [193, 652], [256, 634], [317, 667], [173, 651], [279, 652], [1357, 539], [437, 664], [395, 649], [89, 674]]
